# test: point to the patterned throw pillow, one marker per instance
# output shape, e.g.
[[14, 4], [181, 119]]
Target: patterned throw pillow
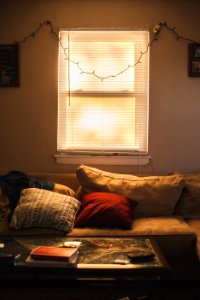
[[42, 208]]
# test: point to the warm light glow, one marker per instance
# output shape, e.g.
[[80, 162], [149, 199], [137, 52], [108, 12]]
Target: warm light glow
[[110, 126], [98, 120], [90, 58]]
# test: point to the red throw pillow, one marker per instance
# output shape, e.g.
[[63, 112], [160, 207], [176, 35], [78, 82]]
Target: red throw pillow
[[101, 209]]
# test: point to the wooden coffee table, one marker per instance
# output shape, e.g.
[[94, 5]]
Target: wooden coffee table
[[96, 269]]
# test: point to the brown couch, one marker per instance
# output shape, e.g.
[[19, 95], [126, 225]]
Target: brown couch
[[176, 230]]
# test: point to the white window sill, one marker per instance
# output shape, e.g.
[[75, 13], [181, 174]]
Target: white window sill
[[69, 159]]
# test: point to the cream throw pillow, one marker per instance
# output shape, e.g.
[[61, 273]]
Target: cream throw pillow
[[43, 208], [155, 195]]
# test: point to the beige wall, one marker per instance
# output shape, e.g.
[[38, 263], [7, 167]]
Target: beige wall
[[28, 114]]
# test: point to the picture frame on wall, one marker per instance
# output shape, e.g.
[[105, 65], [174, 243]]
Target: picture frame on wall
[[194, 60], [9, 65]]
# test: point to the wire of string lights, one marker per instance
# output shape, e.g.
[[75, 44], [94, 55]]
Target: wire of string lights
[[156, 31]]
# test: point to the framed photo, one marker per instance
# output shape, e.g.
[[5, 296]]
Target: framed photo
[[194, 60], [9, 65]]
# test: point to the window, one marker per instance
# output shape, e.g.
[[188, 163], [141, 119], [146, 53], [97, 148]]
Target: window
[[103, 92]]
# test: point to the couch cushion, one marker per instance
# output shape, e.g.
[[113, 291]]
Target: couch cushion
[[188, 205], [6, 230], [173, 235], [101, 209], [155, 195], [42, 208], [163, 226]]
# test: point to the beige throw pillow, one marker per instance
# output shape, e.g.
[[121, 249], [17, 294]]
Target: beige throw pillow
[[63, 189], [155, 195], [43, 208]]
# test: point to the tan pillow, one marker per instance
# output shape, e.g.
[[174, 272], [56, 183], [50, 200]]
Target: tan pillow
[[4, 206], [155, 195], [189, 204], [63, 189]]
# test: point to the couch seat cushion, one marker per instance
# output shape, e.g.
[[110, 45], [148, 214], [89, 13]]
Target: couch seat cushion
[[5, 230], [173, 235], [173, 225]]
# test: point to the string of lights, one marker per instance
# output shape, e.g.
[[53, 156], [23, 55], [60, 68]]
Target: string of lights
[[156, 30]]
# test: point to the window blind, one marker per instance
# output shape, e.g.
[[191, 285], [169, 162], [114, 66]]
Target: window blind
[[103, 92]]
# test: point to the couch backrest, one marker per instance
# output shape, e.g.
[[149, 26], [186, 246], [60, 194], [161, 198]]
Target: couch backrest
[[68, 179]]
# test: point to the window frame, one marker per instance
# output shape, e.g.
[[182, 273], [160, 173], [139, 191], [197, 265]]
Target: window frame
[[107, 157]]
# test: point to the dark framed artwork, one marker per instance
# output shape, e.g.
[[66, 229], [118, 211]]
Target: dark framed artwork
[[194, 60], [9, 65]]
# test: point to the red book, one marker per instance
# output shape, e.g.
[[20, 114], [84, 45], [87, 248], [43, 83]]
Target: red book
[[54, 253]]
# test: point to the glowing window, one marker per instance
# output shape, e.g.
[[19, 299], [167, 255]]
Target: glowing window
[[103, 92]]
